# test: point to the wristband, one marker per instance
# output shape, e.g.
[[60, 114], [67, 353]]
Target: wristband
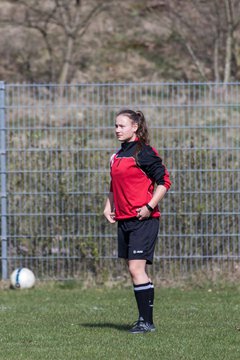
[[149, 207]]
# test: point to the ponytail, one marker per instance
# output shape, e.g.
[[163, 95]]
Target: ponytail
[[142, 131]]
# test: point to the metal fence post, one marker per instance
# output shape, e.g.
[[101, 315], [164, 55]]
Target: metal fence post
[[3, 182]]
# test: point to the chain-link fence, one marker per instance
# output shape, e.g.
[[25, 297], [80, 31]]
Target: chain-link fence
[[56, 143]]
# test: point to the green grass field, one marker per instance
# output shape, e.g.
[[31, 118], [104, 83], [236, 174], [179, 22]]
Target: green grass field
[[63, 321]]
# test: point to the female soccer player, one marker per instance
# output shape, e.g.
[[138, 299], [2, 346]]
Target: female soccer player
[[139, 180]]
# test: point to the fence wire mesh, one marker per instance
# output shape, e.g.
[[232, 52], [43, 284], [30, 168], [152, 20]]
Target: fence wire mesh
[[56, 143]]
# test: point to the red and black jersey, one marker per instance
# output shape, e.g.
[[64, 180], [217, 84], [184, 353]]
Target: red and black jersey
[[132, 182]]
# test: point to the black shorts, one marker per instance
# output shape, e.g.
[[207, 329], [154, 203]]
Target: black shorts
[[137, 238]]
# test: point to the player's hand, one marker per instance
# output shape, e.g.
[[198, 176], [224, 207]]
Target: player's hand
[[110, 216], [143, 213]]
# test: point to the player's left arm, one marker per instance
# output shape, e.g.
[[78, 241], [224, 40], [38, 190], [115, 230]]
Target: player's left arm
[[152, 165], [158, 195]]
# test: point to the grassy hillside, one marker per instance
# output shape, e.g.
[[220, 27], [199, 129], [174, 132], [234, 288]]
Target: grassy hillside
[[124, 41]]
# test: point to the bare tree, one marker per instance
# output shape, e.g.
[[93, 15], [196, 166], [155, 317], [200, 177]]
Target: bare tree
[[229, 38], [74, 22], [61, 25], [206, 29]]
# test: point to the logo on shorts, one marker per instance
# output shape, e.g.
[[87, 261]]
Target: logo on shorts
[[137, 251]]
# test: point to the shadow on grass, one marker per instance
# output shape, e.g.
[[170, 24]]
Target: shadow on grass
[[119, 327]]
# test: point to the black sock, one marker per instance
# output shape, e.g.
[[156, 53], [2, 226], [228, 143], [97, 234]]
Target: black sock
[[151, 301], [143, 295]]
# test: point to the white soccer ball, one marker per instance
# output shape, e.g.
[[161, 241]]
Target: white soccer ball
[[22, 278]]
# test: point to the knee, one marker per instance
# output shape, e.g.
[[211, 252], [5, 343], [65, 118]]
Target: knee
[[132, 269], [135, 269]]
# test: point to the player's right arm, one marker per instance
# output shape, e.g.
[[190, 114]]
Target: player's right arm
[[109, 212]]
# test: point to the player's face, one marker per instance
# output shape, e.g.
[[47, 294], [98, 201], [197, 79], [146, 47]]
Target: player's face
[[125, 128]]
